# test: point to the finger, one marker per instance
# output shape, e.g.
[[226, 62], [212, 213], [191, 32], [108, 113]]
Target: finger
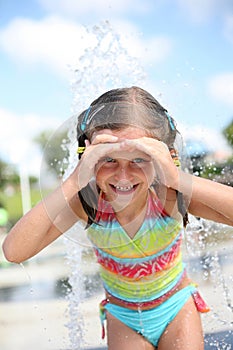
[[137, 144], [95, 152], [103, 138], [148, 145]]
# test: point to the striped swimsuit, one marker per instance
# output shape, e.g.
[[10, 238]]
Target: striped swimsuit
[[142, 272]]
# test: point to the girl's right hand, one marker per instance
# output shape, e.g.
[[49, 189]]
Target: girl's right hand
[[99, 147]]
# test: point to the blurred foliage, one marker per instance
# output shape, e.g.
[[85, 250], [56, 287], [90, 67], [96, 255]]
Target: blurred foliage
[[54, 152], [221, 172], [13, 203], [54, 148], [9, 175], [228, 133], [218, 171]]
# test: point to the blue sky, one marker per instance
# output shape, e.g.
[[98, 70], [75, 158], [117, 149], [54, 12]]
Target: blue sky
[[185, 49]]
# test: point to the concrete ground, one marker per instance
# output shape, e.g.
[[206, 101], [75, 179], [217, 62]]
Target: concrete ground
[[40, 326]]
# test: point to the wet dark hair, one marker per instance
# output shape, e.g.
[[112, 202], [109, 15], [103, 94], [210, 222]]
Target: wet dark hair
[[117, 109]]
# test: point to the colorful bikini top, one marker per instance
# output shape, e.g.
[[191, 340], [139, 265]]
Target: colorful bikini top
[[140, 269]]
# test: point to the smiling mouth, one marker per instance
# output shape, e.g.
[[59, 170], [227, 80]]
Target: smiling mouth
[[124, 189]]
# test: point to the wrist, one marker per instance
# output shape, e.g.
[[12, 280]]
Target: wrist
[[70, 186], [184, 185]]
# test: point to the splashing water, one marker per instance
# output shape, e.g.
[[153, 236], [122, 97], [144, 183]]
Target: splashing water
[[209, 263], [209, 257], [105, 65]]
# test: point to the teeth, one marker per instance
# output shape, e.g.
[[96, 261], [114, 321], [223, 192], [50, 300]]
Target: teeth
[[125, 188]]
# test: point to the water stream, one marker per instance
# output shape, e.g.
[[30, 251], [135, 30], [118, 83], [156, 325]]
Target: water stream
[[106, 64]]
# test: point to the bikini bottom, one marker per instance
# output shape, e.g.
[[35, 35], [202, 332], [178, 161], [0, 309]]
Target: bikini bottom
[[152, 323]]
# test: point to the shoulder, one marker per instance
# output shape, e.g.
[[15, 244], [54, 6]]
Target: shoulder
[[167, 199]]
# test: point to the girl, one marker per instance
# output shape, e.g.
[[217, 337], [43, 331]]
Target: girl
[[131, 192]]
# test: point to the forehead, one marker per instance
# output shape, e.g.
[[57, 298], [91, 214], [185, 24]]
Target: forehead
[[127, 133], [126, 155]]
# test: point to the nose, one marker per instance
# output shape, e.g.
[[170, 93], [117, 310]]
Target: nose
[[123, 171]]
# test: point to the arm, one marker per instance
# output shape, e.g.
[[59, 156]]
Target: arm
[[204, 198], [56, 213], [209, 200], [43, 223]]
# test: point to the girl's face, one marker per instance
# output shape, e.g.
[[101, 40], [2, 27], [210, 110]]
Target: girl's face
[[125, 176]]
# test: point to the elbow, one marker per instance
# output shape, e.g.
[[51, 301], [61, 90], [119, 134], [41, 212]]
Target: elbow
[[10, 254]]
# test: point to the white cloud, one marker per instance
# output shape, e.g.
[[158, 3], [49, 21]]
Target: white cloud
[[95, 7], [57, 43], [204, 135], [16, 135], [51, 41], [148, 49], [203, 139], [221, 88]]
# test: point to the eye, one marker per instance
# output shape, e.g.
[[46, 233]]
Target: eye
[[109, 160], [138, 160]]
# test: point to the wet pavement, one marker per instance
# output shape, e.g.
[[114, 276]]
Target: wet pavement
[[219, 340]]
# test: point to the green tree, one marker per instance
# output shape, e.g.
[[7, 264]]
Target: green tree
[[228, 133], [3, 167], [8, 174], [219, 171], [54, 148], [223, 172]]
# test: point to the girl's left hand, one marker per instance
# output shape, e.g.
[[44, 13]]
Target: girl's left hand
[[165, 170]]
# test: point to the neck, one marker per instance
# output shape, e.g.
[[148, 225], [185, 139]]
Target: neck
[[131, 211]]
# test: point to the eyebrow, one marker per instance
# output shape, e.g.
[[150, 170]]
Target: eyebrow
[[113, 156]]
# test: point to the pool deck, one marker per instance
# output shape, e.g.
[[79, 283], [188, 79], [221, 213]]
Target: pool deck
[[40, 326]]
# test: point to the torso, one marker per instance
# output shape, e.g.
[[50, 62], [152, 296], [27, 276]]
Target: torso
[[142, 266]]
